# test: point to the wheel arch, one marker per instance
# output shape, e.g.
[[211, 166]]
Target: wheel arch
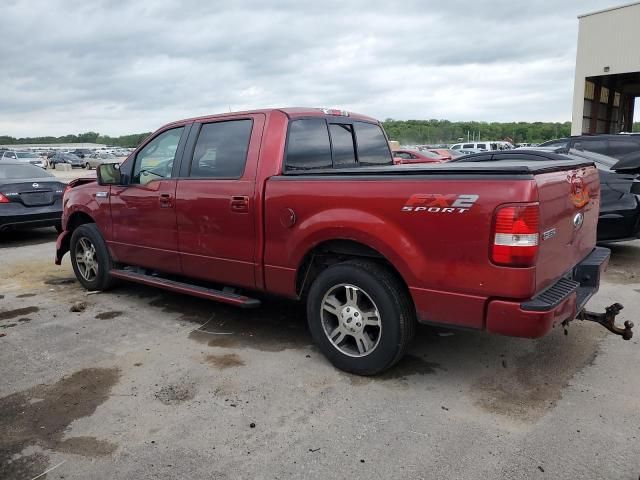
[[63, 244], [337, 250]]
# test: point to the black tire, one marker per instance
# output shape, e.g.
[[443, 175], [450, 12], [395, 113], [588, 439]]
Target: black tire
[[102, 279], [87, 166], [385, 290]]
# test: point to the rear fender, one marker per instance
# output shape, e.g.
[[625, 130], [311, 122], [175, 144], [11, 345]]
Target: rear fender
[[364, 228]]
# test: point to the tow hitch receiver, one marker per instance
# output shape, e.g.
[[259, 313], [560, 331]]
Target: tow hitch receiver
[[608, 320]]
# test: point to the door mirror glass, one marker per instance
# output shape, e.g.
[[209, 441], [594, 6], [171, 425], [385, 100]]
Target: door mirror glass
[[109, 174]]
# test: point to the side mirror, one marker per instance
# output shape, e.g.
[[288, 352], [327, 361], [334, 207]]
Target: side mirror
[[109, 174]]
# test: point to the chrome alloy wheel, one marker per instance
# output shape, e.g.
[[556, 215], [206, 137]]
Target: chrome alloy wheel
[[86, 259], [350, 320]]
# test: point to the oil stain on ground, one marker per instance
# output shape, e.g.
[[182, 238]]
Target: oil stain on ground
[[60, 281], [528, 385], [108, 315], [225, 361], [176, 393], [26, 295], [39, 417], [18, 312], [276, 326], [272, 328]]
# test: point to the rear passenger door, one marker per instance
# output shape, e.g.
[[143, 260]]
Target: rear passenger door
[[215, 207]]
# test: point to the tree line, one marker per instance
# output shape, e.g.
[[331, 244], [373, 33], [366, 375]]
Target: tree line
[[443, 131], [405, 131], [132, 140]]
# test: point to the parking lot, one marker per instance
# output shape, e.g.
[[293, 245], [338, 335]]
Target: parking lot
[[141, 383]]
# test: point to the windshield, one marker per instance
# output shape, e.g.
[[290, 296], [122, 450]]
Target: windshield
[[27, 155], [22, 171]]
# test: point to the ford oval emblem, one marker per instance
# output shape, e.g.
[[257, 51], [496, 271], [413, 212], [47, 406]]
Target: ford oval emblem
[[578, 220], [35, 185]]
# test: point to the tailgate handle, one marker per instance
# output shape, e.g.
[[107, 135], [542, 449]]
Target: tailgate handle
[[240, 204]]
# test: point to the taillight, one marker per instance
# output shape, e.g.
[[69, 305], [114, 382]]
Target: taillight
[[4, 199], [516, 235]]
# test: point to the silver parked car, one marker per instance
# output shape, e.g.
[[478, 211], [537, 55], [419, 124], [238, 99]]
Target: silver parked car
[[96, 159], [23, 157]]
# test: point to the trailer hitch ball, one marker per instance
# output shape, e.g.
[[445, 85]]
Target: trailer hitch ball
[[608, 320]]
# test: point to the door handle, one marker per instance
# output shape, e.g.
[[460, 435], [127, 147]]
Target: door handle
[[240, 204], [165, 200]]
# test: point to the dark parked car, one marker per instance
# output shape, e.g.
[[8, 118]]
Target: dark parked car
[[69, 158], [29, 197], [619, 186], [617, 146], [82, 152]]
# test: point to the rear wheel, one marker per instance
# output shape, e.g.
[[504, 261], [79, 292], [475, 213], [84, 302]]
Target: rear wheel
[[361, 316], [90, 258]]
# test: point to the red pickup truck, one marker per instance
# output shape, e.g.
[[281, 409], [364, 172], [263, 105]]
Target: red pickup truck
[[307, 204]]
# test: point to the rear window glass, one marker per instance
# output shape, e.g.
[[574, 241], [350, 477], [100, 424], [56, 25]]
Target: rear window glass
[[592, 145], [22, 171], [373, 148], [342, 143], [308, 145]]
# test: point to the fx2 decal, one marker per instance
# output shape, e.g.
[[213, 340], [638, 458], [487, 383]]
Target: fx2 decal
[[440, 203]]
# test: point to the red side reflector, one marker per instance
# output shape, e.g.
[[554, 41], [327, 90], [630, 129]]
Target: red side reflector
[[4, 199], [66, 189], [516, 235]]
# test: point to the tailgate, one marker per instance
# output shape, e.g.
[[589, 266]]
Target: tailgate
[[569, 207]]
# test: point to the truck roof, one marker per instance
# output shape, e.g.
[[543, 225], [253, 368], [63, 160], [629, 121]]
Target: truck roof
[[291, 112]]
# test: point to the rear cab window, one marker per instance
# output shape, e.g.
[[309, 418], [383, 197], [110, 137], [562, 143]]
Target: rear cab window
[[321, 143]]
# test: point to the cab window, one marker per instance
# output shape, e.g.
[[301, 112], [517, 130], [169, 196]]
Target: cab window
[[221, 150], [373, 148], [155, 160]]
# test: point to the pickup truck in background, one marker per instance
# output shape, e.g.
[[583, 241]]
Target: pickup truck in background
[[307, 204]]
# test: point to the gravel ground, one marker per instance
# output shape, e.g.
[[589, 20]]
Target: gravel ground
[[146, 384]]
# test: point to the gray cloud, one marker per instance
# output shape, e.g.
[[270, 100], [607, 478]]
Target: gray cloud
[[119, 67]]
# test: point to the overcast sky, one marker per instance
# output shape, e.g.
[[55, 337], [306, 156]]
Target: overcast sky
[[120, 67]]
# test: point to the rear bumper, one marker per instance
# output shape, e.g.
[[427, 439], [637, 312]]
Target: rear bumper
[[562, 301], [36, 219], [620, 224]]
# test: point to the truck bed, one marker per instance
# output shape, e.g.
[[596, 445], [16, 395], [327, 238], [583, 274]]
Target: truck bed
[[509, 168]]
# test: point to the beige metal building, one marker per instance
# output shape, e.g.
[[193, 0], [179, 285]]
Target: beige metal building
[[607, 70]]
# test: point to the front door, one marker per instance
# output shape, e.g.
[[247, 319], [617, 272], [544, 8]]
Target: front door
[[143, 212], [215, 205]]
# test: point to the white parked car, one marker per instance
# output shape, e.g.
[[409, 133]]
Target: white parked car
[[483, 146]]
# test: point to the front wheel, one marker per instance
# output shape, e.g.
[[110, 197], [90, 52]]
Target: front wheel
[[90, 258], [361, 316]]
